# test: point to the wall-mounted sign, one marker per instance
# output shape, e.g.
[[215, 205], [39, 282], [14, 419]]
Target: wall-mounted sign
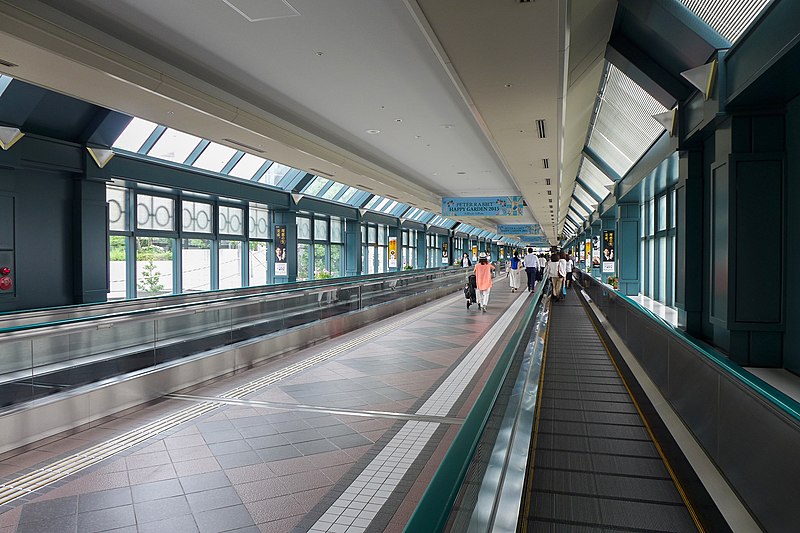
[[596, 252], [474, 252], [608, 250], [444, 253], [392, 252], [502, 206], [519, 229], [588, 255], [280, 251]]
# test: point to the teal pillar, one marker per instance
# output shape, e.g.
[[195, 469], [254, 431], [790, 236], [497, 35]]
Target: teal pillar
[[422, 249], [353, 260], [90, 241], [628, 234], [689, 242], [288, 219]]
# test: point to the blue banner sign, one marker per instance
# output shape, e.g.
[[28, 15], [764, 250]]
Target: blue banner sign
[[518, 229], [499, 206]]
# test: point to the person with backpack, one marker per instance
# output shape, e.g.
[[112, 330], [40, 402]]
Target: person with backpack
[[514, 268]]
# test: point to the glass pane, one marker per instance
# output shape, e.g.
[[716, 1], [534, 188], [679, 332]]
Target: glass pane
[[316, 185], [231, 220], [371, 252], [348, 195], [214, 157], [662, 212], [333, 190], [320, 230], [320, 268], [196, 264], [118, 274], [642, 222], [373, 234], [303, 262], [363, 234], [404, 238], [381, 259], [135, 134], [247, 166], [274, 173], [154, 266], [174, 145], [303, 228], [651, 271], [155, 212], [673, 210], [381, 234], [259, 221], [336, 260], [336, 230], [662, 269], [230, 264], [651, 217], [197, 217], [117, 198], [259, 252]]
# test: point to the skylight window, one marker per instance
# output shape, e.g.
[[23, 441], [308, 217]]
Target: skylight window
[[348, 195], [174, 145], [584, 196], [623, 127], [214, 157], [333, 190], [134, 135], [594, 178], [274, 174], [729, 18], [247, 166], [316, 185]]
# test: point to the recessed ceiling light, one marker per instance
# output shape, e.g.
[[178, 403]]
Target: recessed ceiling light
[[507, 85], [373, 132], [447, 126], [461, 172], [398, 120], [319, 53]]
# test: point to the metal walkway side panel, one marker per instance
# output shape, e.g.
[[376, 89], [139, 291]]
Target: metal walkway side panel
[[595, 465]]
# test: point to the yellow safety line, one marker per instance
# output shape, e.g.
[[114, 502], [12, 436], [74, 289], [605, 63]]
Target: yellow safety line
[[74, 463], [532, 454], [678, 485]]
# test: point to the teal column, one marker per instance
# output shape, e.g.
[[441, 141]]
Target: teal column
[[628, 234], [90, 234], [353, 260], [288, 219], [689, 242], [422, 249]]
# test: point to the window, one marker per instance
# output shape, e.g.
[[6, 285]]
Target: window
[[135, 134], [118, 274], [231, 220], [247, 167], [214, 157], [174, 145], [230, 264], [154, 265], [195, 265], [303, 262], [155, 213], [197, 217], [258, 263]]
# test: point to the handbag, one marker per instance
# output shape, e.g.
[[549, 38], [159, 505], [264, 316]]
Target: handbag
[[563, 290]]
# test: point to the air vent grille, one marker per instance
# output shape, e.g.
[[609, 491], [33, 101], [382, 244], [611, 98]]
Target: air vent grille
[[243, 145], [547, 181], [322, 172], [546, 163], [540, 128], [8, 63], [360, 186]]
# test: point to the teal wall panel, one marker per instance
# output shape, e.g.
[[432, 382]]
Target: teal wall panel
[[791, 293]]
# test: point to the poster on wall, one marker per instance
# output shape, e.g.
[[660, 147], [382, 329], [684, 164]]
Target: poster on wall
[[444, 253], [596, 251], [392, 252], [281, 268], [474, 253], [608, 250], [587, 259], [502, 253], [505, 206]]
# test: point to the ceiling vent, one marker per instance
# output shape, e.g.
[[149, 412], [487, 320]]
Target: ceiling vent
[[546, 163], [360, 186], [243, 145], [392, 197], [547, 181], [524, 1], [322, 172], [8, 63], [540, 128]]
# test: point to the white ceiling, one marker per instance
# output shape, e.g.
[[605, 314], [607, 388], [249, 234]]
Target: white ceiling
[[454, 87]]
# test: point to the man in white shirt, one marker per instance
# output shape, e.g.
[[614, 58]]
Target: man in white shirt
[[531, 266]]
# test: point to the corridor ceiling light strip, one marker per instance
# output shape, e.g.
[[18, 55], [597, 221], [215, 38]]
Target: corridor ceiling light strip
[[58, 470]]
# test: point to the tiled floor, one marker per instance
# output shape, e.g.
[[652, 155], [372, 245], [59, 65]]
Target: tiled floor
[[365, 426]]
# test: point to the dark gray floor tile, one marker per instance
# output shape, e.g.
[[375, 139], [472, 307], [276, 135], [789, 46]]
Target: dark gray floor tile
[[335, 431], [323, 421], [178, 524], [105, 499], [225, 519], [234, 446], [248, 421], [269, 441], [257, 431], [291, 425], [156, 490], [62, 524], [216, 425], [213, 499], [50, 509], [201, 482], [216, 437], [106, 519], [315, 446], [238, 459], [302, 436], [350, 441], [154, 510], [279, 452]]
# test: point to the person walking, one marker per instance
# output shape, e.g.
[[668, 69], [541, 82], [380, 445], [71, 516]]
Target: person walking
[[570, 267], [514, 266], [542, 273], [483, 280], [531, 266], [556, 272], [465, 262]]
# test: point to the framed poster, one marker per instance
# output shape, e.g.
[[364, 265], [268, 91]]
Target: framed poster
[[281, 268], [608, 251], [392, 252]]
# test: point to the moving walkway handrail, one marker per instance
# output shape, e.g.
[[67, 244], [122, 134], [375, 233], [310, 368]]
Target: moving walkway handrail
[[433, 510], [785, 403], [46, 328]]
